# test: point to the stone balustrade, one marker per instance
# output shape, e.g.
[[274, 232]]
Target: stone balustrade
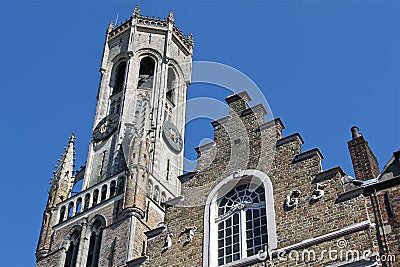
[[90, 197]]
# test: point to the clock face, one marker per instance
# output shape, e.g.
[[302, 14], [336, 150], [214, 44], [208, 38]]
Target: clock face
[[105, 127], [172, 136]]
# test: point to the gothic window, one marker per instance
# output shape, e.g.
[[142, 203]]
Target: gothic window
[[115, 106], [78, 205], [62, 214], [95, 244], [150, 189], [242, 224], [72, 252], [171, 85], [86, 204], [121, 185], [119, 78], [95, 197], [156, 195], [163, 199], [70, 210], [103, 193], [146, 73], [167, 176], [112, 188]]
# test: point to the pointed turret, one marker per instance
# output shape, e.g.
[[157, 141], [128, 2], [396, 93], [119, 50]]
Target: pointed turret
[[136, 11], [60, 189]]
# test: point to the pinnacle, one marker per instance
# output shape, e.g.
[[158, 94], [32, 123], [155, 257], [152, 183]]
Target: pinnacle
[[136, 11]]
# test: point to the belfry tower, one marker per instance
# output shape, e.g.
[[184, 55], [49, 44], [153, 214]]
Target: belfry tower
[[135, 154]]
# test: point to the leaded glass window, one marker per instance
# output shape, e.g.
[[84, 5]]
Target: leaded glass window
[[242, 224]]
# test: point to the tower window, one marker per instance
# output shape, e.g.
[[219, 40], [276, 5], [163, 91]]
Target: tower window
[[156, 195], [167, 176], [86, 204], [150, 189], [171, 80], [95, 197], [62, 214], [95, 244], [72, 252], [103, 193], [78, 205], [112, 188], [119, 78], [70, 209], [121, 185], [146, 73]]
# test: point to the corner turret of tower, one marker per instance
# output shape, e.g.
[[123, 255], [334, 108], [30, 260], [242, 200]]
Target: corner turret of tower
[[63, 178]]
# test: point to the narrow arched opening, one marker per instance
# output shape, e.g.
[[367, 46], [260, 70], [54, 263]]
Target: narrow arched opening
[[119, 77], [146, 73]]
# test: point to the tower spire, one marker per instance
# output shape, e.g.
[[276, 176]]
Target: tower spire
[[60, 189], [62, 180]]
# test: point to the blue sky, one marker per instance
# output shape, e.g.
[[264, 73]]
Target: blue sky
[[323, 66]]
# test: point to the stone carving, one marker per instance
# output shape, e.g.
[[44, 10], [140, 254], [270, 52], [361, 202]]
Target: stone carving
[[189, 231], [292, 200], [237, 174], [318, 193], [168, 241]]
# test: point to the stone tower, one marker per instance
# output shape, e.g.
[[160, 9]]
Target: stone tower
[[135, 154]]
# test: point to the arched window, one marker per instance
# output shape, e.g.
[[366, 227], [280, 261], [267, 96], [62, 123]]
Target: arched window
[[119, 78], [95, 244], [156, 194], [121, 185], [103, 193], [239, 219], [95, 197], [72, 252], [146, 73], [150, 189], [242, 224], [62, 214], [78, 205], [171, 83], [70, 210], [87, 200], [112, 188], [163, 198]]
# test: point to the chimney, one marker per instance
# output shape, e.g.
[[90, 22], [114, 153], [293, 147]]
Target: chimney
[[364, 161]]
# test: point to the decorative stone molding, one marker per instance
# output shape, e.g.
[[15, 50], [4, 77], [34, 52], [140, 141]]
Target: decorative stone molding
[[41, 253], [168, 241], [189, 231], [237, 174], [292, 200], [318, 193], [134, 211]]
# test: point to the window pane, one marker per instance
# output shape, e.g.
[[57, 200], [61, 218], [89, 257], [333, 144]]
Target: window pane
[[232, 217]]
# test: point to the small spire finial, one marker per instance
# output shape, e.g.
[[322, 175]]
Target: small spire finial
[[171, 16], [191, 37], [110, 27], [72, 138], [136, 11]]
